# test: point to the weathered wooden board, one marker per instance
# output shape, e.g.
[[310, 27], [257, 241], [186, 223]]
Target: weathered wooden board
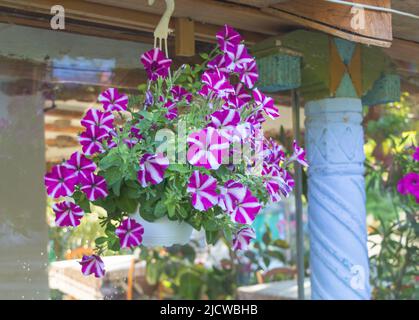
[[368, 27]]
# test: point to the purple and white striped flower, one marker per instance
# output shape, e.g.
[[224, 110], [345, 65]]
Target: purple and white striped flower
[[130, 233], [234, 102], [156, 64], [172, 110], [92, 265], [207, 148], [230, 193], [91, 140], [256, 119], [245, 208], [67, 214], [239, 57], [94, 186], [225, 121], [204, 191], [299, 155], [60, 182], [265, 103], [216, 82], [221, 63], [79, 164], [274, 183], [95, 117], [277, 181], [112, 100], [242, 239], [179, 93], [152, 168], [249, 74], [227, 38], [242, 93], [273, 153]]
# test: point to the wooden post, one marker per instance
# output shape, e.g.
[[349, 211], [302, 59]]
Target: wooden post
[[185, 37]]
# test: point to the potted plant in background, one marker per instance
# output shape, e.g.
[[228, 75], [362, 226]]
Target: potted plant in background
[[186, 152]]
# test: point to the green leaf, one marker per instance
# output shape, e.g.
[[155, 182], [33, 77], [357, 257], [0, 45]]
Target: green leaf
[[160, 209], [81, 200], [171, 211], [190, 285], [126, 204], [110, 161], [281, 244], [176, 167], [112, 175], [267, 237], [101, 240]]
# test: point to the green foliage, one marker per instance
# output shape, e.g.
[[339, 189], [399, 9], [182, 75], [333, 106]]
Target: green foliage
[[267, 251], [395, 229]]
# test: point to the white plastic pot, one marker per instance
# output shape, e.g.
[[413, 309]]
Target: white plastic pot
[[164, 232]]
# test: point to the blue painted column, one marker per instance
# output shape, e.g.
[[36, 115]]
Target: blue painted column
[[336, 197]]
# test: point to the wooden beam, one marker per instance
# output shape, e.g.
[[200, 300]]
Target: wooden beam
[[62, 142], [185, 37], [258, 3], [65, 114], [57, 128], [117, 14], [336, 20]]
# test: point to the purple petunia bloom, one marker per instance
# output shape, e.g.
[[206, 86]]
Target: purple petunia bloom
[[299, 155], [225, 121], [179, 93], [275, 183], [242, 238], [156, 64], [245, 208], [152, 168], [221, 63], [234, 102], [172, 110], [241, 93], [266, 104], [230, 194], [415, 155], [256, 119], [94, 186], [60, 182], [273, 153], [91, 140], [239, 57], [149, 98], [79, 164], [112, 100], [227, 38], [204, 191], [92, 265], [215, 81], [130, 233], [249, 74], [207, 148], [95, 117], [134, 137], [409, 184], [67, 214]]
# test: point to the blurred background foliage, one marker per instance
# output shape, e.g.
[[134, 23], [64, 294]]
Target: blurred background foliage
[[390, 134]]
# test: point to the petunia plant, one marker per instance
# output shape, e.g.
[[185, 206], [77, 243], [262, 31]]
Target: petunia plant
[[189, 146]]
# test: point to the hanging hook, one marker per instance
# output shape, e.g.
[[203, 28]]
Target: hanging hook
[[162, 30]]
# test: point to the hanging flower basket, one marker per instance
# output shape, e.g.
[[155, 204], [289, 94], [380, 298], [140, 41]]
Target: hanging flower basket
[[187, 149], [164, 232]]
